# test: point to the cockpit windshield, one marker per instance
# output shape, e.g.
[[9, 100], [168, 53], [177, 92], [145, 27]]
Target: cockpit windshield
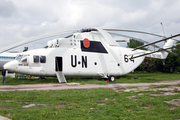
[[21, 58], [18, 57]]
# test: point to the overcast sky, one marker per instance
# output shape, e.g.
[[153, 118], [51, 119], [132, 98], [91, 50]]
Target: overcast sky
[[24, 19]]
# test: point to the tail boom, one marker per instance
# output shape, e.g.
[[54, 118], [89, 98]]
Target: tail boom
[[159, 54]]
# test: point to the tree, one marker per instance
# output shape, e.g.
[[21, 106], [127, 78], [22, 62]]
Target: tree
[[134, 43], [169, 64]]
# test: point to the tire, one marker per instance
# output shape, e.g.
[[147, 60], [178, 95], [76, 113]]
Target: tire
[[111, 78]]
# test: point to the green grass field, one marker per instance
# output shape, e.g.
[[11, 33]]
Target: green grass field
[[91, 104], [129, 78]]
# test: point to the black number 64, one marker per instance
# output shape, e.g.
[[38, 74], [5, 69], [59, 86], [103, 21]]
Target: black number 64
[[126, 59]]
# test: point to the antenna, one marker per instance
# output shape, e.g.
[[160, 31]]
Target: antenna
[[163, 30]]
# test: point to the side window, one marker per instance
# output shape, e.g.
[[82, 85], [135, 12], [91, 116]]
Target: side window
[[36, 59], [24, 60], [42, 59]]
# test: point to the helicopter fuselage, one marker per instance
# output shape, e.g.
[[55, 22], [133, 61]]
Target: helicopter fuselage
[[73, 57]]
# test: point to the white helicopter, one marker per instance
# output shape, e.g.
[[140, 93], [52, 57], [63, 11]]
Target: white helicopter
[[87, 53]]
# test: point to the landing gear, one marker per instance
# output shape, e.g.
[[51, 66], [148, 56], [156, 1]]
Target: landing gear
[[111, 78], [107, 77]]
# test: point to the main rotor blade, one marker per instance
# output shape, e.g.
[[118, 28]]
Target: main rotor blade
[[36, 39], [138, 39], [135, 31], [155, 42]]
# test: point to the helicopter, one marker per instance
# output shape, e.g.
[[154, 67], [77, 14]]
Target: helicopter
[[91, 52]]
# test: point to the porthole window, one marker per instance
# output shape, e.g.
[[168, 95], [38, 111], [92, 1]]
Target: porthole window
[[36, 59], [42, 59]]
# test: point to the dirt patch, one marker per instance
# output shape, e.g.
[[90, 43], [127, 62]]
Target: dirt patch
[[100, 103], [175, 102], [146, 107], [118, 86], [4, 118], [42, 104], [140, 94], [31, 105], [169, 89], [130, 97], [27, 106], [172, 107], [72, 84], [164, 93], [9, 101], [62, 105], [106, 99]]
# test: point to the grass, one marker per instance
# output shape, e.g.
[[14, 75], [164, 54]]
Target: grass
[[148, 77], [91, 104], [129, 78]]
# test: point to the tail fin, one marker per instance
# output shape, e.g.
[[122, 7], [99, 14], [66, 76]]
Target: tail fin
[[169, 44]]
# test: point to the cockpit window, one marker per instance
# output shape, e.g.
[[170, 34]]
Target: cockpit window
[[42, 59], [18, 57], [36, 59], [22, 57]]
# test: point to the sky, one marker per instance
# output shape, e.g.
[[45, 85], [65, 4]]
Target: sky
[[25, 19]]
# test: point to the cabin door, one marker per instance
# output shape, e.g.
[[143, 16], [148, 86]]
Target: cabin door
[[59, 64]]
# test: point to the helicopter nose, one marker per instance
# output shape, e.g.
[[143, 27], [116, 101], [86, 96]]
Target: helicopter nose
[[10, 65]]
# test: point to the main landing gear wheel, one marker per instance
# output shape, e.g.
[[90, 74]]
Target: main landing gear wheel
[[111, 78]]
